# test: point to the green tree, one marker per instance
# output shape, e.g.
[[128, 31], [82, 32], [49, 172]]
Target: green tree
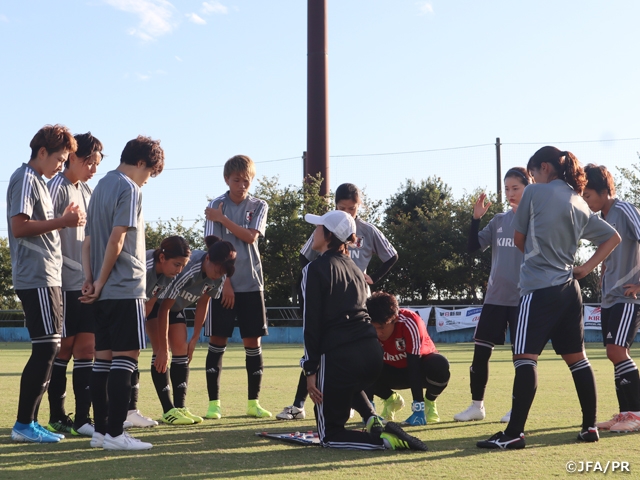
[[154, 234], [8, 300]]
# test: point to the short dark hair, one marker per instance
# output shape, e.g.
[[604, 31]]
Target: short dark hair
[[87, 146], [144, 149], [382, 307], [172, 247], [219, 252], [600, 179], [348, 191], [53, 138]]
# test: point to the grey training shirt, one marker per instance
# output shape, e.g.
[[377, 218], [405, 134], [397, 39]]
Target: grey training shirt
[[251, 213], [155, 283], [117, 202], [554, 218], [622, 267], [36, 262], [63, 193], [369, 240], [502, 288]]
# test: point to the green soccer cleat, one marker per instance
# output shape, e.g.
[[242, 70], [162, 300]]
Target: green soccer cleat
[[395, 438], [255, 410], [392, 405], [374, 426], [431, 411], [214, 411], [188, 414], [176, 417], [62, 425]]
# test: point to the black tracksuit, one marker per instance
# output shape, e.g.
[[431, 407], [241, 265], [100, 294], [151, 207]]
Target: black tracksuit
[[340, 345]]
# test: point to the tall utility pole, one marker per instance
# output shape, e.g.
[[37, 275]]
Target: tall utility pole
[[498, 170], [317, 155]]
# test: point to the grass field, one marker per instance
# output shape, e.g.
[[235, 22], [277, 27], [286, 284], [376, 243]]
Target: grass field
[[228, 448]]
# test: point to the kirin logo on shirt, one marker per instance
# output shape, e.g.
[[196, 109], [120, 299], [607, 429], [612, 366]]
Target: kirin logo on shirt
[[359, 243], [401, 346], [248, 216]]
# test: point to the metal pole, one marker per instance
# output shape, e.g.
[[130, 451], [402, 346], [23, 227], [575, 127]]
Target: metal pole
[[317, 98], [498, 171]]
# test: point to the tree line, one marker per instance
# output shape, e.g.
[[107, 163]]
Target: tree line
[[426, 224]]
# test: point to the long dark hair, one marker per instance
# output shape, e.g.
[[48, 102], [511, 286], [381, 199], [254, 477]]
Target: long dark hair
[[565, 164], [172, 247], [521, 174], [219, 252]]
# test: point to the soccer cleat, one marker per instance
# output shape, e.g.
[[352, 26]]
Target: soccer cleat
[[139, 420], [506, 418], [97, 440], [214, 411], [431, 411], [86, 430], [176, 417], [396, 438], [392, 405], [374, 426], [31, 433], [188, 414], [416, 419], [62, 425], [629, 423], [291, 413], [610, 423], [255, 410], [127, 424], [44, 430], [589, 435], [503, 442], [472, 413], [124, 442]]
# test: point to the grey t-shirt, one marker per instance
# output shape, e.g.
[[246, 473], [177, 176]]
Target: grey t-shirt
[[502, 288], [117, 202], [554, 218], [63, 193], [156, 284], [251, 213], [622, 267], [369, 240], [192, 283], [36, 262]]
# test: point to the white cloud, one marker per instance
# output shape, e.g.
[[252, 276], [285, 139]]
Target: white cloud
[[4, 18], [155, 16], [142, 77], [213, 7], [178, 58], [195, 18], [424, 8]]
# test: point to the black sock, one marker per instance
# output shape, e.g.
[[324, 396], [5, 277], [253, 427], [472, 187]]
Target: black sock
[[525, 385], [179, 379], [301, 392], [253, 364], [214, 370], [35, 376], [479, 369], [99, 398], [437, 377], [622, 399], [629, 384], [585, 384], [135, 389], [161, 382], [81, 379], [119, 391], [57, 390]]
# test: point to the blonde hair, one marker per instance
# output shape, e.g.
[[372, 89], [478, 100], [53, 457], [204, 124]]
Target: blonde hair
[[241, 164]]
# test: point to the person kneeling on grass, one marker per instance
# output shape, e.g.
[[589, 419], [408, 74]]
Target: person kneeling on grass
[[342, 354], [410, 361]]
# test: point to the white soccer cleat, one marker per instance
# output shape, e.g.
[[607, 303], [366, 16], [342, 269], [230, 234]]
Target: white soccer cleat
[[506, 418], [97, 440], [606, 425], [139, 420], [291, 413], [127, 424], [124, 442], [472, 413], [629, 423]]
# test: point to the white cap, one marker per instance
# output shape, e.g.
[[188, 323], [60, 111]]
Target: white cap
[[340, 223]]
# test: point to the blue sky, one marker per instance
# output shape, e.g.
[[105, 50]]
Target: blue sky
[[216, 78]]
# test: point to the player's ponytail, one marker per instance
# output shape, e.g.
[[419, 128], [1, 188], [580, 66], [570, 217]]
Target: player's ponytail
[[565, 165], [172, 247], [222, 253], [600, 179], [335, 244], [573, 172]]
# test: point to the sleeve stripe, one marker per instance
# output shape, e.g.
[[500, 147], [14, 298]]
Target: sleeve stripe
[[261, 221], [632, 215], [303, 285], [55, 187], [388, 248], [414, 331], [27, 187], [307, 247], [208, 224], [134, 201]]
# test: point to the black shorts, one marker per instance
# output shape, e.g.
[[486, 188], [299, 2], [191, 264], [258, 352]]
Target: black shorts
[[552, 313], [174, 317], [42, 310], [78, 316], [493, 324], [120, 325], [620, 324], [248, 310]]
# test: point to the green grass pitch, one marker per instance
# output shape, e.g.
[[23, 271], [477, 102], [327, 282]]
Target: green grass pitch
[[228, 448]]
